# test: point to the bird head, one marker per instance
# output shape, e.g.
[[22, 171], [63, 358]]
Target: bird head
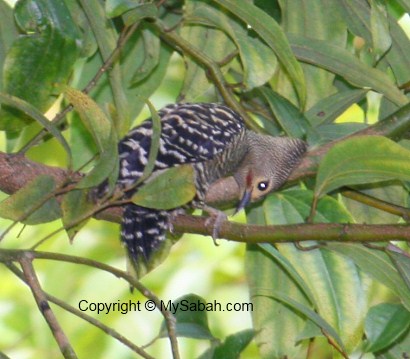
[[266, 165]]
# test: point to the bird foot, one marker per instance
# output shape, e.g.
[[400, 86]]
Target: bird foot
[[216, 219], [301, 247], [174, 214]]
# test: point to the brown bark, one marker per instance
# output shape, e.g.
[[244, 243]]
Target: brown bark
[[16, 170]]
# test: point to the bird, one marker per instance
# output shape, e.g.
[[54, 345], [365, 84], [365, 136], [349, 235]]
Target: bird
[[213, 139]]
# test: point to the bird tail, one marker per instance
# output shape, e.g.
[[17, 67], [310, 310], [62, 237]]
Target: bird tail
[[143, 234]]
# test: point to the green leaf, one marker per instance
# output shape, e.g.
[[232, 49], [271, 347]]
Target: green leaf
[[8, 33], [100, 127], [133, 62], [309, 313], [402, 261], [151, 53], [142, 11], [140, 268], [398, 349], [379, 22], [114, 8], [107, 165], [169, 189], [332, 283], [212, 42], [253, 52], [155, 143], [233, 345], [270, 31], [40, 62], [97, 123], [397, 55], [362, 159], [311, 330], [290, 118], [190, 312], [331, 280], [288, 267], [35, 114], [321, 20], [357, 14], [106, 37], [341, 62], [328, 109], [32, 204], [75, 206], [276, 323], [385, 324], [334, 131], [391, 192], [405, 4], [82, 144], [231, 348], [377, 265]]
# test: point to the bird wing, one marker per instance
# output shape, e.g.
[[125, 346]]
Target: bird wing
[[190, 133]]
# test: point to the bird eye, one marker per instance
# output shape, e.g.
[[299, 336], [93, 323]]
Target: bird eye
[[262, 186]]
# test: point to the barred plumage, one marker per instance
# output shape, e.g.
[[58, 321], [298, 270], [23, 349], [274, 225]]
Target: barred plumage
[[190, 133], [212, 138]]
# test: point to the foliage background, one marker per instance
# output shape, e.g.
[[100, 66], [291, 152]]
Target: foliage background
[[331, 284]]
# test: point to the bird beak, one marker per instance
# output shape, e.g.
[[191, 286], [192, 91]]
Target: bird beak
[[246, 198]]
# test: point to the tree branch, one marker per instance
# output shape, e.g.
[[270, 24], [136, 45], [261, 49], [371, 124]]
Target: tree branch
[[329, 232], [16, 171], [42, 303], [11, 255], [394, 126]]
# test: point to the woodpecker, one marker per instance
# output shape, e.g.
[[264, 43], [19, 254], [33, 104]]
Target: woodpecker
[[213, 139]]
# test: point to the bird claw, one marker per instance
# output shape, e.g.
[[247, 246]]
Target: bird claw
[[216, 219], [171, 218], [301, 247]]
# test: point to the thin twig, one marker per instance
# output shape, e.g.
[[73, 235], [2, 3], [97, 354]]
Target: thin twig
[[57, 192], [85, 216], [108, 330], [333, 343], [228, 58], [42, 303], [310, 349], [9, 255], [374, 202], [58, 118], [180, 44], [122, 40]]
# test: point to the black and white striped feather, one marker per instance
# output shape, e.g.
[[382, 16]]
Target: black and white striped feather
[[205, 135]]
